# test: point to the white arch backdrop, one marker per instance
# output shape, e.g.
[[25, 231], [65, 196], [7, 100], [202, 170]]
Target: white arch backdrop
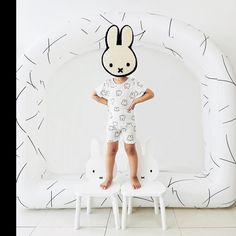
[[42, 184]]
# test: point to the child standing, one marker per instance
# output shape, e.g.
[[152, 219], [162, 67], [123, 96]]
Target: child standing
[[121, 94]]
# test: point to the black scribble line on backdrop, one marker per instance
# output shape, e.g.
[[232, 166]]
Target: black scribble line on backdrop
[[142, 198], [205, 44], [43, 173], [169, 27], [32, 144], [20, 92], [50, 198], [170, 182], [220, 80], [123, 17], [173, 51], [48, 52], [40, 123], [142, 33], [46, 49], [226, 203], [50, 202], [82, 175], [97, 29], [19, 68], [213, 160], [69, 202], [40, 102], [20, 171], [106, 19], [231, 154], [141, 25], [205, 104], [203, 175], [31, 82], [83, 18], [119, 198], [228, 71], [204, 84], [22, 203], [30, 60], [42, 154], [103, 201], [19, 145], [42, 82], [225, 122], [20, 126], [177, 195], [73, 53], [52, 185], [100, 39], [210, 196], [205, 96], [84, 31], [32, 116], [223, 108]]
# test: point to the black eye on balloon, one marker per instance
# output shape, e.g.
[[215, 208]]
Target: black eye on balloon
[[110, 64], [93, 171], [150, 170], [127, 64]]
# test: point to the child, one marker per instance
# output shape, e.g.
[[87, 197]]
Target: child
[[121, 94]]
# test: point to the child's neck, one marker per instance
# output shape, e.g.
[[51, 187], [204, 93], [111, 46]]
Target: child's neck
[[119, 80]]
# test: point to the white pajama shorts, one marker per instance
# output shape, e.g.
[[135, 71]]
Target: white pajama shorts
[[121, 123]]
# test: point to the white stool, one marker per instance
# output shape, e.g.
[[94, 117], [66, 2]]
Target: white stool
[[154, 189], [90, 189]]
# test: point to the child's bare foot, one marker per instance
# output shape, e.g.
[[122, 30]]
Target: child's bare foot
[[135, 182], [106, 183]]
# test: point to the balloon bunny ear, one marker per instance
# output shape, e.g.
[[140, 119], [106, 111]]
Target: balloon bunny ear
[[127, 36], [111, 36], [95, 148]]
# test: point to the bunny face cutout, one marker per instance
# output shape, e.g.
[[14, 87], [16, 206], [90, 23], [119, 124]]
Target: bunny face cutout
[[119, 59], [95, 166]]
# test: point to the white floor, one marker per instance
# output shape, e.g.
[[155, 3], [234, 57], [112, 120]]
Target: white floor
[[180, 222]]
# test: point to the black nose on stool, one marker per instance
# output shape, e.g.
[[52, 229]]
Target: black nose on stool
[[100, 177], [120, 70]]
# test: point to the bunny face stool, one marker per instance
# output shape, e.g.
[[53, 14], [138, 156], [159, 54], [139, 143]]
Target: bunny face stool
[[119, 59], [95, 174], [147, 173]]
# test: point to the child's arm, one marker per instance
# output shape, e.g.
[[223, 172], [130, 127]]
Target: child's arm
[[146, 96], [98, 99]]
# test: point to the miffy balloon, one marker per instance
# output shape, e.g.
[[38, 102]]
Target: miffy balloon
[[119, 59]]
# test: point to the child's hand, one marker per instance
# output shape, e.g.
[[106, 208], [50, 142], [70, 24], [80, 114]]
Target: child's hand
[[132, 105]]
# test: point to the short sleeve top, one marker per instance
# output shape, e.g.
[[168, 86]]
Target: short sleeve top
[[120, 95]]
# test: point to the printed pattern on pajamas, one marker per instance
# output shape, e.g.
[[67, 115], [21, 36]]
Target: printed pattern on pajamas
[[120, 121]]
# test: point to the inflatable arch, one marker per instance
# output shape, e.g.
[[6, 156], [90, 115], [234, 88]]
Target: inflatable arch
[[214, 186]]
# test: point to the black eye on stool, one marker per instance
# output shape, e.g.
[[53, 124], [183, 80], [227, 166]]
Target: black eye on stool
[[93, 171], [151, 171]]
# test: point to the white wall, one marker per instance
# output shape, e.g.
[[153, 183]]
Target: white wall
[[176, 110]]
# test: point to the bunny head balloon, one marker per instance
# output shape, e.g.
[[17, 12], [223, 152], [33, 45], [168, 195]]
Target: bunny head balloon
[[119, 59]]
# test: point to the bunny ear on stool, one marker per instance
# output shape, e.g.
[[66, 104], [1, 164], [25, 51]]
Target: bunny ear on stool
[[95, 149]]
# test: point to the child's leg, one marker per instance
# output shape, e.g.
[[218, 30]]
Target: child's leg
[[112, 148], [133, 162]]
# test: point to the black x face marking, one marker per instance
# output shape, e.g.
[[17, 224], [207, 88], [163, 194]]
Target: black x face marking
[[120, 70]]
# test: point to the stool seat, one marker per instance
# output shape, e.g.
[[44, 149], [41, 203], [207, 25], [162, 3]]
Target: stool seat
[[92, 188], [148, 188]]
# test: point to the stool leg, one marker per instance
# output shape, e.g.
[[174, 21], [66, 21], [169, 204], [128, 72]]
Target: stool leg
[[115, 210], [163, 213], [156, 208], [130, 206], [88, 205], [77, 212], [124, 212]]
